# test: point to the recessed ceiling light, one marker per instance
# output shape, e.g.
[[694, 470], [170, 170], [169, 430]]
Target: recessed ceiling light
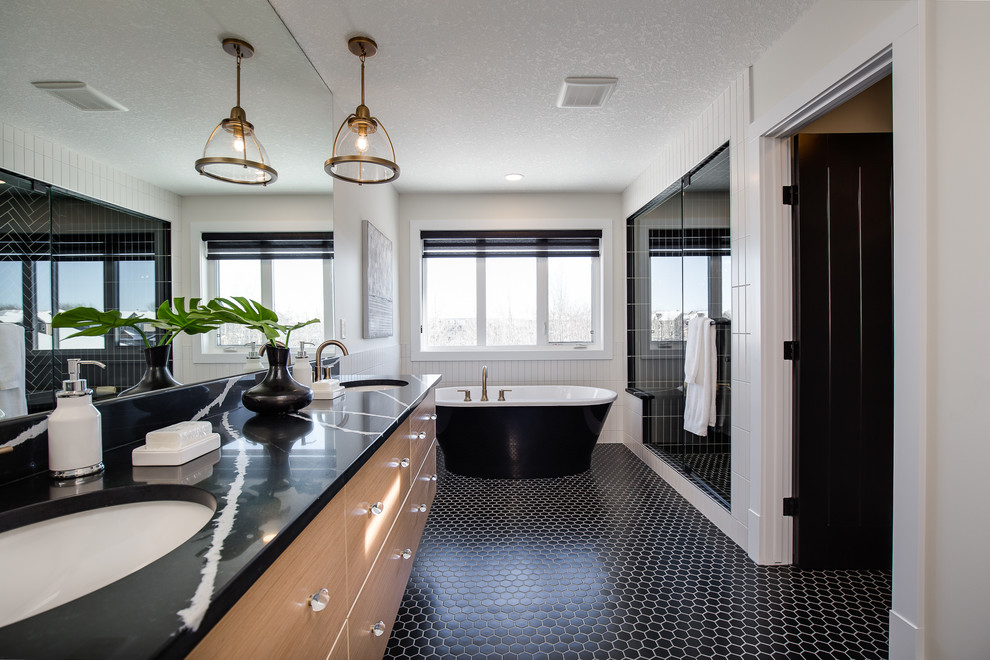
[[513, 177]]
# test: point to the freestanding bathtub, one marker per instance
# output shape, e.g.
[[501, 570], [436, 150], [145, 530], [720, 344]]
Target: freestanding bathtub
[[538, 431]]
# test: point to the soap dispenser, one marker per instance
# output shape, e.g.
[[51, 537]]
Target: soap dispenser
[[253, 361], [302, 370], [75, 435]]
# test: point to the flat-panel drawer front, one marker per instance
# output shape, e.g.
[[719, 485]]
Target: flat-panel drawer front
[[424, 414], [370, 621], [286, 613], [421, 440], [373, 498]]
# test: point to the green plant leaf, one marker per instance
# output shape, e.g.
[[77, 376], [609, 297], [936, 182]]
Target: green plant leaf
[[93, 322], [174, 318]]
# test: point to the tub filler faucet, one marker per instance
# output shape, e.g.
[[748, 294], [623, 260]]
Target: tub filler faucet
[[484, 383]]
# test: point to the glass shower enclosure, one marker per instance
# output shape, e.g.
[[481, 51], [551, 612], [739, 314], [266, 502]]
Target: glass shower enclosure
[[678, 268]]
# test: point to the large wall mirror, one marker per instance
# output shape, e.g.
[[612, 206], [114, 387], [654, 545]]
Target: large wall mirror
[[59, 249]]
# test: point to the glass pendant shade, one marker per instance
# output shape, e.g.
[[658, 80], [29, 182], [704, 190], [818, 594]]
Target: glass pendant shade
[[362, 149], [234, 153]]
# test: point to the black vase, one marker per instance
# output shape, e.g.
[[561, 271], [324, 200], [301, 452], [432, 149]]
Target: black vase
[[157, 375], [277, 393]]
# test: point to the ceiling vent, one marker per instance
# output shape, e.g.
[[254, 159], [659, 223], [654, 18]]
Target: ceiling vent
[[80, 95], [586, 92]]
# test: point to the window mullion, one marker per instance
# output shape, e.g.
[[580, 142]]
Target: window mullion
[[482, 313], [542, 302], [266, 284]]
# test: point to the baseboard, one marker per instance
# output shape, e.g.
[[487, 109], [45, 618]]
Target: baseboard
[[907, 641]]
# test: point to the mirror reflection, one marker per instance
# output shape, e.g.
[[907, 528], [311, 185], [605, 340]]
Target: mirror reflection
[[60, 250]]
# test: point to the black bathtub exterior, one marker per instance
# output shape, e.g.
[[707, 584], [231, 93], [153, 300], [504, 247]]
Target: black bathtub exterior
[[519, 442]]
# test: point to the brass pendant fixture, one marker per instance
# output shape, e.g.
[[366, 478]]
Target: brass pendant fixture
[[233, 153], [362, 149]]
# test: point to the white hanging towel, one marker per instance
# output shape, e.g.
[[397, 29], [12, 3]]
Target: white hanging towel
[[13, 399], [699, 376]]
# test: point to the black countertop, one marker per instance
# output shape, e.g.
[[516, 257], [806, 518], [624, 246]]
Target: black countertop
[[270, 478]]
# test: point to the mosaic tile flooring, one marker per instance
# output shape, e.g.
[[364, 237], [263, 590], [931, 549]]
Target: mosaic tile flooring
[[614, 564]]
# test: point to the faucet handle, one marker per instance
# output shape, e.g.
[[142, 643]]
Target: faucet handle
[[467, 394], [501, 394]]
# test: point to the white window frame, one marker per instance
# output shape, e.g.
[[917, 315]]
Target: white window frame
[[600, 349], [204, 277]]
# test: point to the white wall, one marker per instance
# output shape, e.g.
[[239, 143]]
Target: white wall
[[823, 33], [725, 120], [43, 160], [958, 531], [512, 208], [351, 205], [266, 212]]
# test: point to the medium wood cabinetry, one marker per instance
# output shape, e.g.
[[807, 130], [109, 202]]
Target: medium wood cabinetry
[[360, 548]]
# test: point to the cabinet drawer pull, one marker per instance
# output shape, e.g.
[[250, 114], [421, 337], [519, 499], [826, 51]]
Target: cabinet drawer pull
[[406, 554], [320, 600], [404, 462], [422, 435], [433, 417], [422, 508], [378, 629], [433, 477], [377, 509]]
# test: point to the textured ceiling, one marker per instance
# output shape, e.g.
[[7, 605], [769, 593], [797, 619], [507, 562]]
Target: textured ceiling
[[466, 88]]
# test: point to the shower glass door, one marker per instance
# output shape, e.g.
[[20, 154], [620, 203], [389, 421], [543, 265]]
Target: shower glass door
[[678, 267]]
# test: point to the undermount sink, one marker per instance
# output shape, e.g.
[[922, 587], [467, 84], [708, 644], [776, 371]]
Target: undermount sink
[[57, 551], [373, 385]]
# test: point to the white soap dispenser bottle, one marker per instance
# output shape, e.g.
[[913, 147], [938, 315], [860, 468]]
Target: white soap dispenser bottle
[[75, 435], [253, 360], [302, 370]]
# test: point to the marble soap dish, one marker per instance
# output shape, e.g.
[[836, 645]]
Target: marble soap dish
[[176, 444]]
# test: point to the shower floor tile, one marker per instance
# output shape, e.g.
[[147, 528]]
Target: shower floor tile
[[613, 563]]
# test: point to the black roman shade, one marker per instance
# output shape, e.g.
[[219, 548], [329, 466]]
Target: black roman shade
[[532, 243], [690, 242], [269, 245]]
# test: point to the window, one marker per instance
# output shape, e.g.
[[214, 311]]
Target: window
[[689, 275], [289, 272], [511, 292]]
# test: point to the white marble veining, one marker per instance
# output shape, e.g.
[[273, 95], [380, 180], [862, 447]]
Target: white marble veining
[[193, 615]]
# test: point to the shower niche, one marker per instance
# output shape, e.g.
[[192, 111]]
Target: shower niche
[[679, 267]]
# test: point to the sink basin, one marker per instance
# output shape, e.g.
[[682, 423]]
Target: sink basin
[[373, 385], [57, 551]]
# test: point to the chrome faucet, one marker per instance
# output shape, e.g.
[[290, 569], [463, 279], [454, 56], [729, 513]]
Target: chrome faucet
[[484, 383], [318, 368]]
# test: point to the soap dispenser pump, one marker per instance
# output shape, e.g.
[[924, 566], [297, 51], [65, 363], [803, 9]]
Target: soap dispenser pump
[[75, 435], [302, 370]]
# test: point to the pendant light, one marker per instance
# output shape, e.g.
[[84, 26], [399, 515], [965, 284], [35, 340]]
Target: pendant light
[[362, 150], [233, 152]]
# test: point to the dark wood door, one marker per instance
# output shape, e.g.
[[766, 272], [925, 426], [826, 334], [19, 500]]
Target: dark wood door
[[843, 377]]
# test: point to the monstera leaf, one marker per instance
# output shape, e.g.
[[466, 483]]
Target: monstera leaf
[[92, 322], [254, 315], [174, 318]]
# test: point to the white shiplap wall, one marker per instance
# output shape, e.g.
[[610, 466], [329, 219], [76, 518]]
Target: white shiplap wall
[[724, 120], [35, 157]]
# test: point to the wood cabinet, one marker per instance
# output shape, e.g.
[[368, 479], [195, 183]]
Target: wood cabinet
[[360, 548]]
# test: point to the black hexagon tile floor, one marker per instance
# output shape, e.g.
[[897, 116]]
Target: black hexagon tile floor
[[613, 563]]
